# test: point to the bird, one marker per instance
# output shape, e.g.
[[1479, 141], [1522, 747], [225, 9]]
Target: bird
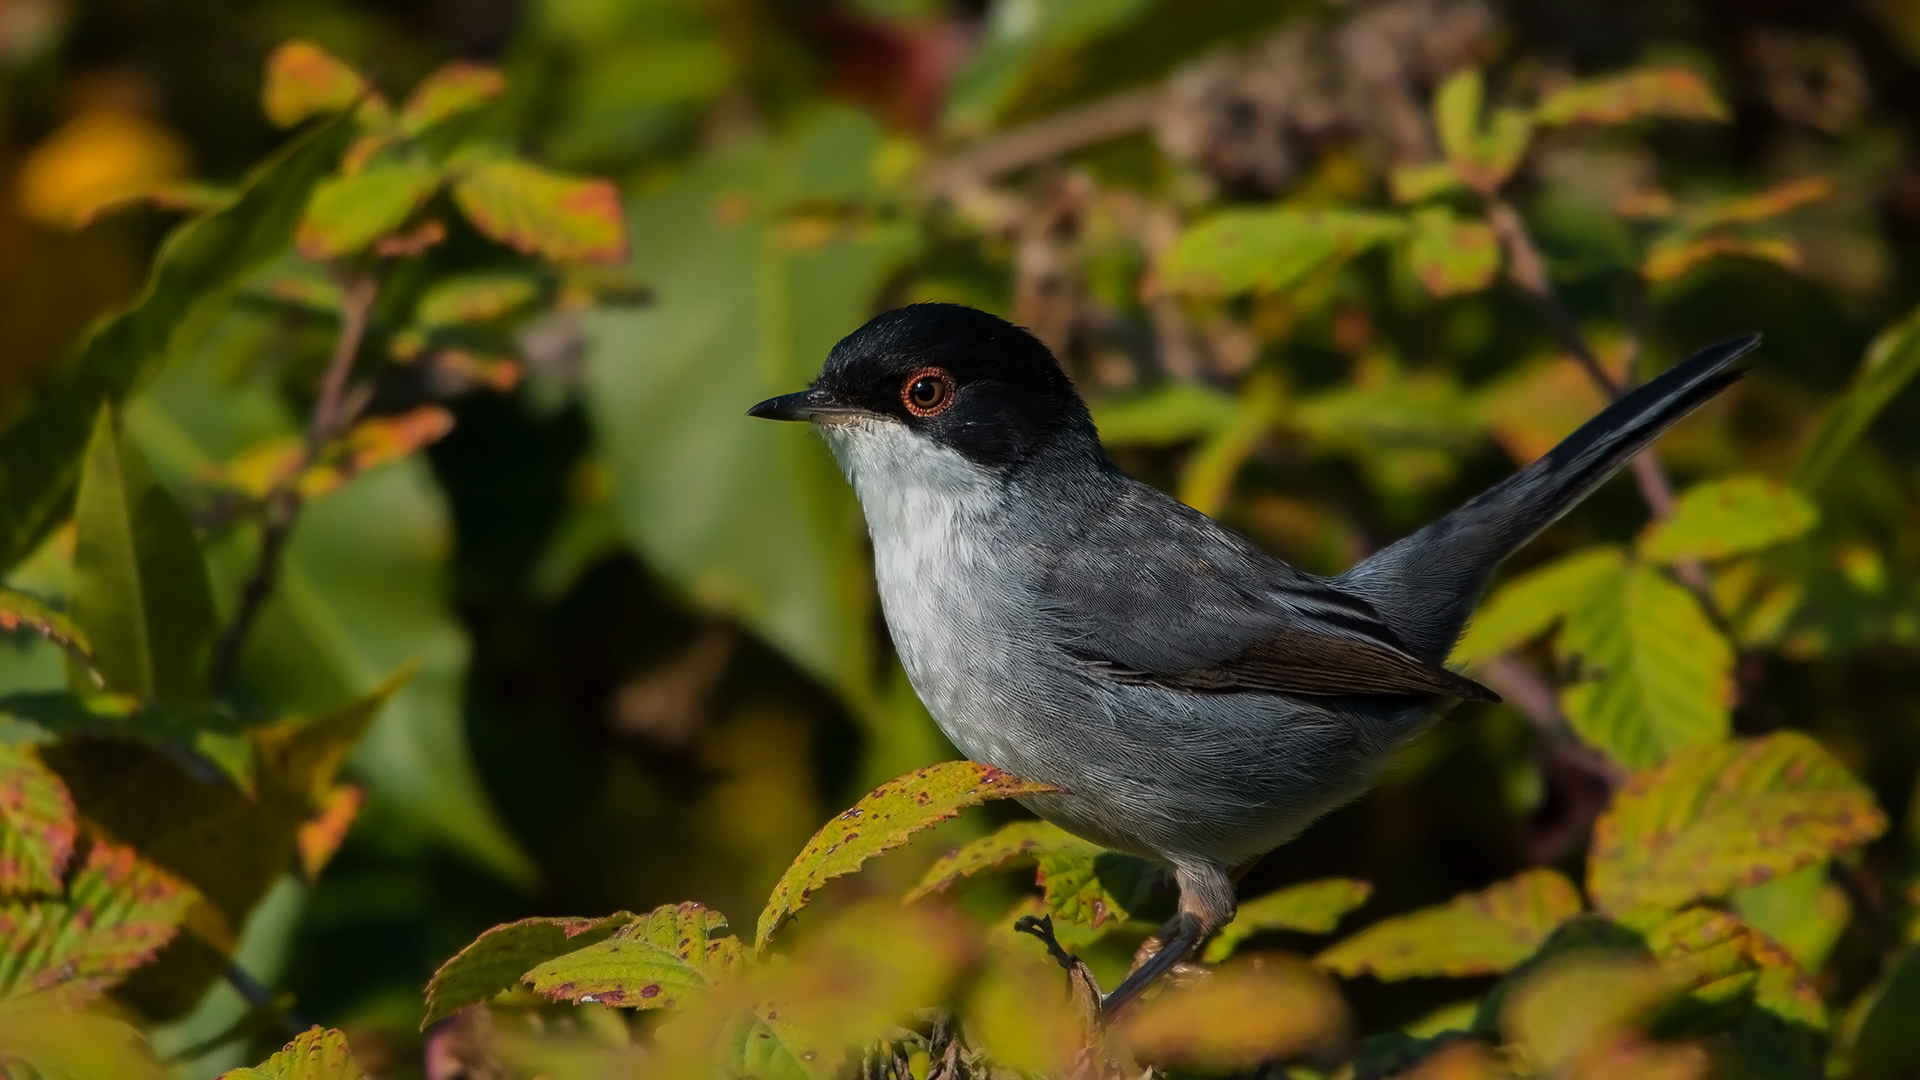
[[1199, 701]]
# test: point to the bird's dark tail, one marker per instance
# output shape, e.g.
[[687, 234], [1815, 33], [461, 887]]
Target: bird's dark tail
[[1427, 584]]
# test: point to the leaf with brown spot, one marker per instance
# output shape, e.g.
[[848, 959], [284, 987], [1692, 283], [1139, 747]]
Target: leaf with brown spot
[[532, 210], [1085, 883], [22, 611], [1483, 933], [454, 89], [496, 959], [118, 912], [314, 1054], [1715, 818], [37, 825], [656, 962], [1707, 950], [305, 80], [1671, 93], [1313, 907], [885, 819]]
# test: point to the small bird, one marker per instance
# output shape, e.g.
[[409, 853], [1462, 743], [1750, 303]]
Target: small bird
[[1200, 701]]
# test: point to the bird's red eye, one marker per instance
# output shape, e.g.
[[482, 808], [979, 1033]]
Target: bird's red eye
[[927, 392]]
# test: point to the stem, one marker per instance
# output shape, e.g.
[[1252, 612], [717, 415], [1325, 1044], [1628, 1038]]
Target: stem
[[332, 412]]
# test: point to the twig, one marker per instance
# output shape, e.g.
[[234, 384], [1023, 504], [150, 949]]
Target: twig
[[1062, 133], [333, 411]]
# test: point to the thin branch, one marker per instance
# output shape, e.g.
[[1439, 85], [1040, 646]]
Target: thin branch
[[1042, 140], [333, 411]]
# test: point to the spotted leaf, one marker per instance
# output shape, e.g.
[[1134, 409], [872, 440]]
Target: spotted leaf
[[119, 910], [656, 962], [496, 959], [1483, 933], [36, 823], [314, 1054], [531, 210]]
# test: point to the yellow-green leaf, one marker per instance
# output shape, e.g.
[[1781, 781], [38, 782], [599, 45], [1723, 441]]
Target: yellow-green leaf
[[886, 818], [498, 958], [655, 962], [140, 586], [1714, 954], [1530, 605], [1673, 93], [1418, 183], [118, 912], [1168, 414], [469, 299], [1085, 883], [1891, 362], [21, 611], [1013, 844], [1270, 250], [1728, 517], [1313, 907], [1481, 157], [1653, 675], [305, 80], [348, 213], [1451, 255], [1243, 1015], [1587, 1005], [1483, 933], [1456, 112], [37, 825], [1803, 911], [314, 1054], [453, 90], [1717, 818], [535, 211]]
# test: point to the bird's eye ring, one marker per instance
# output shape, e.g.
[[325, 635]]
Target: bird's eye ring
[[927, 392]]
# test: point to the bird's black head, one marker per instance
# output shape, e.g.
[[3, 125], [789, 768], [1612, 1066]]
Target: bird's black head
[[967, 380]]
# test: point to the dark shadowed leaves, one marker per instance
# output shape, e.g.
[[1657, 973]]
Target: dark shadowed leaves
[[1891, 362], [1085, 883], [498, 958], [22, 611], [886, 818], [1888, 1041], [1481, 933], [1715, 818]]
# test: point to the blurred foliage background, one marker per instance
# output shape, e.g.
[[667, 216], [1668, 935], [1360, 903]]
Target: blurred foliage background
[[649, 660]]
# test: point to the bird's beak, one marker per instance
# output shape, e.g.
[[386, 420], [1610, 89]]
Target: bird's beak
[[812, 404]]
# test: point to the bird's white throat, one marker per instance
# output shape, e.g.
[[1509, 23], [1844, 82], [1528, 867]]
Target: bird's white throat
[[914, 490]]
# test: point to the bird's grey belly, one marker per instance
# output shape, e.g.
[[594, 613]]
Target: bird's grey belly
[[1169, 774]]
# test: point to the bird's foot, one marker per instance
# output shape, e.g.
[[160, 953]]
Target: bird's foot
[[1177, 938], [1086, 989]]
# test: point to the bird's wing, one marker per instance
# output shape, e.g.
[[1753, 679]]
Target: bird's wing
[[1153, 592]]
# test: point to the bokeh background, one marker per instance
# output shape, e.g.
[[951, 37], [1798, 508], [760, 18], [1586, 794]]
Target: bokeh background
[[652, 659]]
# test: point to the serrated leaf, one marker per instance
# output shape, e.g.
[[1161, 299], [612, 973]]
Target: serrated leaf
[[498, 958], [1451, 255], [305, 80], [1483, 933], [1654, 676], [535, 211], [1716, 818], [1723, 518], [1239, 1017], [22, 611], [37, 825], [1706, 950], [656, 962], [1241, 251], [1672, 93], [314, 1054], [885, 819], [140, 586], [119, 910], [452, 90], [1085, 884], [348, 213], [1313, 907], [1670, 257], [1892, 360], [474, 299], [1530, 605], [191, 284], [1013, 844]]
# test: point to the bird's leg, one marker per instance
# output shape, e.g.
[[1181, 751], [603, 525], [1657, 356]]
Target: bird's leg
[[1206, 905]]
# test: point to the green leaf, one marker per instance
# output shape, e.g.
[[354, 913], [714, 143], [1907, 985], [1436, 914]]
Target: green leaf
[[1012, 844], [656, 962], [1417, 183], [348, 213], [1892, 360], [37, 825], [1483, 933], [746, 308], [305, 80], [1717, 818], [22, 611], [1313, 907], [1803, 911], [535, 211], [1673, 93], [208, 731], [1450, 255], [1580, 1009], [314, 1054], [454, 89], [884, 819], [140, 587], [1239, 251], [498, 958], [1085, 884], [1888, 1042], [116, 915], [1530, 605], [1735, 516], [1168, 414], [1654, 675], [1718, 956], [193, 280], [1022, 39], [473, 299], [1456, 112]]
